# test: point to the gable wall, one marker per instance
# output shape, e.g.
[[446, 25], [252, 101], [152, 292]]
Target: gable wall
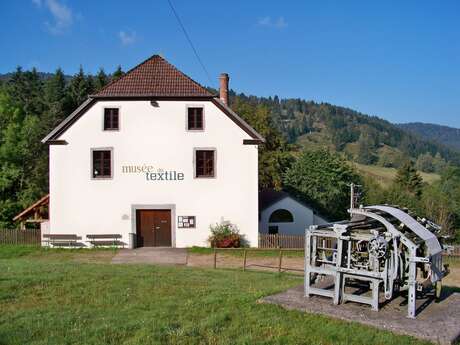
[[303, 217], [153, 136]]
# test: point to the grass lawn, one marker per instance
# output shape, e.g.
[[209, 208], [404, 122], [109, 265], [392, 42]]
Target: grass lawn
[[77, 297], [385, 176]]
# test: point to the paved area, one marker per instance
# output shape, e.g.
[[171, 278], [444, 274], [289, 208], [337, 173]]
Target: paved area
[[436, 322], [151, 255]]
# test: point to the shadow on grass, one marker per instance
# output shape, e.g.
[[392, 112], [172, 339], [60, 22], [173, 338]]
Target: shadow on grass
[[449, 290]]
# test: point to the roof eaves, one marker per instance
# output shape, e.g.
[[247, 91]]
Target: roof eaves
[[273, 202], [150, 96], [238, 120], [57, 130]]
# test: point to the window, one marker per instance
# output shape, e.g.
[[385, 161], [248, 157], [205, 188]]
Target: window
[[281, 216], [195, 118], [204, 163], [111, 122], [102, 163]]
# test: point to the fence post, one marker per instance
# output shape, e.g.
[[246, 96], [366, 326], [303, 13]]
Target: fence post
[[16, 237], [280, 259], [215, 257], [244, 260]]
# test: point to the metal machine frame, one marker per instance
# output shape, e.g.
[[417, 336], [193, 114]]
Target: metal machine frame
[[383, 246]]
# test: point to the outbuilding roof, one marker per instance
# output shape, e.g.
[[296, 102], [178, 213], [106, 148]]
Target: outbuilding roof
[[154, 77], [269, 197], [44, 201]]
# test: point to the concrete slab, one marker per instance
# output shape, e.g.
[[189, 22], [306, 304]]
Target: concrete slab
[[151, 255], [436, 322]]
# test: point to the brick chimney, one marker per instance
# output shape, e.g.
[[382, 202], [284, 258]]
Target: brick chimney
[[223, 94]]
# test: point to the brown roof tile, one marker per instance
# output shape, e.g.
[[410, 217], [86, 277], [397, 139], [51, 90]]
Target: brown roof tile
[[154, 77]]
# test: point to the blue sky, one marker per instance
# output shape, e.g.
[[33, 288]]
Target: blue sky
[[395, 59]]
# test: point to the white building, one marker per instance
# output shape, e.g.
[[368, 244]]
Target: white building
[[280, 213], [155, 158]]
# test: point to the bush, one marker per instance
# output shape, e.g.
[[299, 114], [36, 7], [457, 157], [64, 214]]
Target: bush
[[225, 235]]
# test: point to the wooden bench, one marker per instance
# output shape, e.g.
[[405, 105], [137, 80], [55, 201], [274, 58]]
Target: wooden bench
[[104, 239], [61, 239]]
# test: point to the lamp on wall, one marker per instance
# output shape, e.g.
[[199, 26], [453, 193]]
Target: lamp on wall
[[154, 103]]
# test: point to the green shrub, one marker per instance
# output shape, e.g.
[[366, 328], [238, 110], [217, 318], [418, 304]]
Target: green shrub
[[225, 235]]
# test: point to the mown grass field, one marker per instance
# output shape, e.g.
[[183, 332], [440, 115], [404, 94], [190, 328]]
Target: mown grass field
[[77, 297], [385, 176]]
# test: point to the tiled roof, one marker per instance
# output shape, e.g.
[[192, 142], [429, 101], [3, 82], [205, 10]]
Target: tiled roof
[[154, 77]]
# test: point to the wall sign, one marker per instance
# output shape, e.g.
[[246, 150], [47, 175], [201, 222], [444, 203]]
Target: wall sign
[[186, 222], [152, 173]]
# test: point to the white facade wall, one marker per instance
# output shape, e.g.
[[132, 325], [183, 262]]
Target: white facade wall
[[303, 217], [153, 136]]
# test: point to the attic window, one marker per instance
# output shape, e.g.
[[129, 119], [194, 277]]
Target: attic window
[[111, 121], [195, 119]]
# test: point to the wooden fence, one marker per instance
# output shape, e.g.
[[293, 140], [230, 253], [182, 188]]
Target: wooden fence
[[298, 242], [19, 236], [452, 251], [281, 241]]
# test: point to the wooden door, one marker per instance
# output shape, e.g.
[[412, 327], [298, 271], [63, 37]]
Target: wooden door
[[162, 228], [153, 228]]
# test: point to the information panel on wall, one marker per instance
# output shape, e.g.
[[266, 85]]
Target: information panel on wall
[[186, 221]]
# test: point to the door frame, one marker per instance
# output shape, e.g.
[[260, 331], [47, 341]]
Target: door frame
[[170, 207]]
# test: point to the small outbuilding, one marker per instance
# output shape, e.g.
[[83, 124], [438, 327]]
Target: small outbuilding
[[35, 214], [281, 213]]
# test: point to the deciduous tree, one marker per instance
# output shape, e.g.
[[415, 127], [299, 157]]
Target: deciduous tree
[[322, 179]]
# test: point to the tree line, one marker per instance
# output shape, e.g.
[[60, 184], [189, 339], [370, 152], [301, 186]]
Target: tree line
[[361, 138], [31, 106], [321, 176]]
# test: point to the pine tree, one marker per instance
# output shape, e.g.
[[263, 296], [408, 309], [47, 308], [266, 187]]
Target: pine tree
[[78, 88], [90, 84], [57, 100], [101, 79], [409, 179], [118, 73], [25, 90], [55, 87]]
